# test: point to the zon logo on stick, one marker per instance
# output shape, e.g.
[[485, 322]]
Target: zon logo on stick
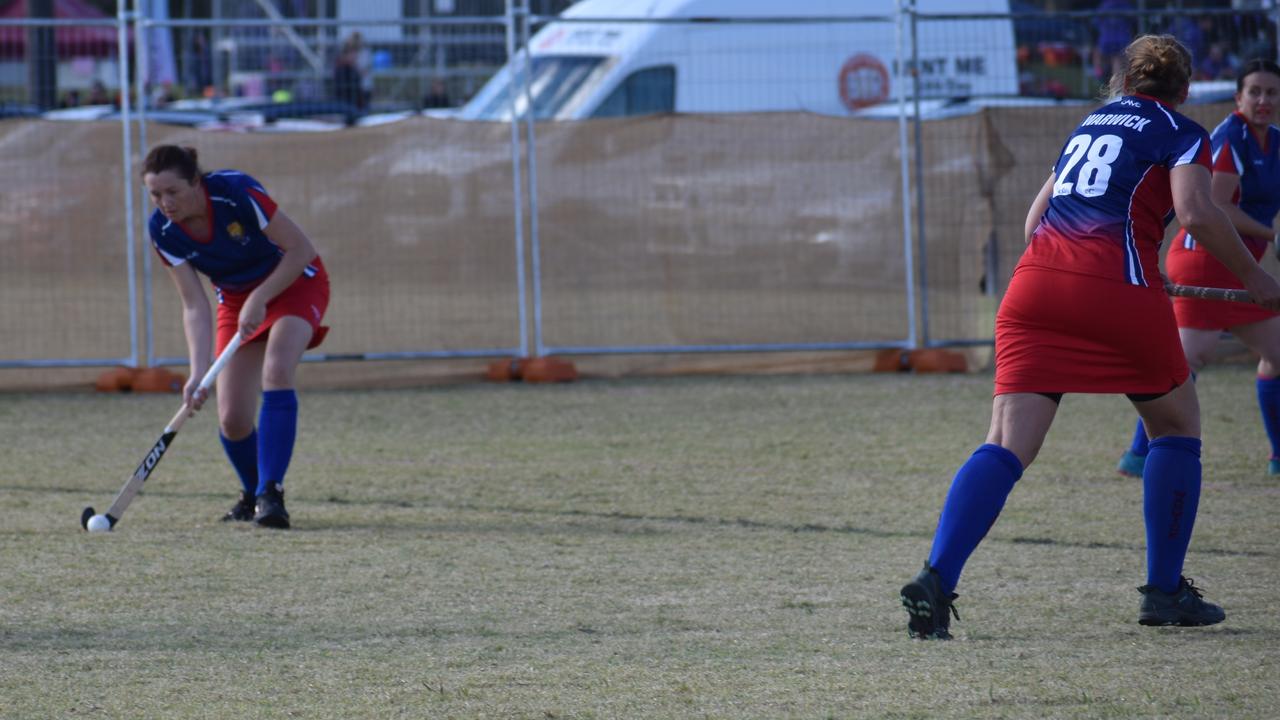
[[155, 454]]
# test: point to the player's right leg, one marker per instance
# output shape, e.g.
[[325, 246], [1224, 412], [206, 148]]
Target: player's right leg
[[238, 390], [1019, 423], [1170, 497]]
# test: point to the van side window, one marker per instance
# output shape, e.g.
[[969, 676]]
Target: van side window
[[644, 92]]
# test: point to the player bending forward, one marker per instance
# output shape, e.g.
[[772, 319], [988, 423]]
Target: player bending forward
[[271, 287]]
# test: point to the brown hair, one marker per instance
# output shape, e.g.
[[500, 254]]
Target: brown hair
[[181, 160], [1155, 65], [1256, 65]]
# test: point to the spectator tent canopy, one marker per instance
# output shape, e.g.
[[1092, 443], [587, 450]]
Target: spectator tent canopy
[[70, 41]]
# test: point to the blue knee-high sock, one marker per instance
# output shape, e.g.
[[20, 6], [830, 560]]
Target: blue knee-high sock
[[277, 428], [1139, 445], [1170, 495], [243, 454], [973, 503], [1269, 402]]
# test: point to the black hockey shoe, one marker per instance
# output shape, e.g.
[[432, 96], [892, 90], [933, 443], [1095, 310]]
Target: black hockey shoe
[[929, 607], [270, 512], [242, 511], [1184, 606]]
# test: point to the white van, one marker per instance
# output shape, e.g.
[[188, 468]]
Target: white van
[[598, 61]]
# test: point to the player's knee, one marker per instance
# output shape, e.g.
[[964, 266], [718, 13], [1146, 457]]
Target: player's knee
[[1269, 366], [277, 377], [1198, 360], [1026, 454], [1025, 449], [235, 427], [1174, 427]]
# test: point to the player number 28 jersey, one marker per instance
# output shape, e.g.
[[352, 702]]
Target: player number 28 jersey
[[1111, 199]]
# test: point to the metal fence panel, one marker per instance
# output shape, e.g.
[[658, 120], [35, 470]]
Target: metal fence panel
[[778, 229], [690, 233], [64, 254], [414, 217], [801, 226]]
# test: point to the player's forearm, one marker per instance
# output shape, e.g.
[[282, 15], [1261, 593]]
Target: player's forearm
[[197, 323], [1244, 224], [289, 269], [1212, 229]]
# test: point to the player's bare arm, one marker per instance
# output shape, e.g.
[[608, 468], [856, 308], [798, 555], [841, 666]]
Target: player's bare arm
[[1223, 188], [1197, 212], [1038, 208], [298, 252], [197, 322]]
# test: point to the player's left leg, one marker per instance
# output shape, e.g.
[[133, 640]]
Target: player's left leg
[[1264, 338], [1019, 423], [278, 419]]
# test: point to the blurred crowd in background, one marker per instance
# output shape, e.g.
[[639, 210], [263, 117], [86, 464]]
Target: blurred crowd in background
[[1065, 48], [1069, 48]]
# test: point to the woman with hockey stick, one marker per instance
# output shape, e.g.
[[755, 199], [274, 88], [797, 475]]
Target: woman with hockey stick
[[1246, 185], [1086, 312], [271, 287]]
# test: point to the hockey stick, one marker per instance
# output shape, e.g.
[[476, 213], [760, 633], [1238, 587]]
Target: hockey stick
[[131, 488], [1208, 293]]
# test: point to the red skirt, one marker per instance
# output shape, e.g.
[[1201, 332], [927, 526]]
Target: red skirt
[[307, 298], [1061, 332], [1199, 267]]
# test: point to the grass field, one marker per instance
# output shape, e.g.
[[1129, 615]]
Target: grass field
[[674, 548]]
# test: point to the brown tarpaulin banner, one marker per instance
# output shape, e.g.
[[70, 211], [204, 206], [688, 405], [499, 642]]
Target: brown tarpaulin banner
[[655, 232]]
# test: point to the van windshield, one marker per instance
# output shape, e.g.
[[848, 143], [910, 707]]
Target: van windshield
[[556, 79]]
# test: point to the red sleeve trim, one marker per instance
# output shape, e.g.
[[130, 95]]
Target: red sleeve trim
[[1223, 162], [264, 202], [163, 259]]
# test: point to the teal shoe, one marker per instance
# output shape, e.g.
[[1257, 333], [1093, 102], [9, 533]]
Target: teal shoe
[[1273, 466], [1132, 465]]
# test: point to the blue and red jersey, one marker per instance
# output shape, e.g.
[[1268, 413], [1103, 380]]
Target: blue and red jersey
[[236, 255], [1236, 151], [1111, 199]]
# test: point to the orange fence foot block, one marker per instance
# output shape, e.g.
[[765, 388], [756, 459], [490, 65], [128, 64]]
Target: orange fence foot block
[[891, 361], [534, 370], [119, 379], [158, 380], [509, 370], [935, 360], [549, 369]]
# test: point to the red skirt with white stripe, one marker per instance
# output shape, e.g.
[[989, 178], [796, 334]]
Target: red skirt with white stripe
[[1062, 332], [307, 298], [1197, 266]]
